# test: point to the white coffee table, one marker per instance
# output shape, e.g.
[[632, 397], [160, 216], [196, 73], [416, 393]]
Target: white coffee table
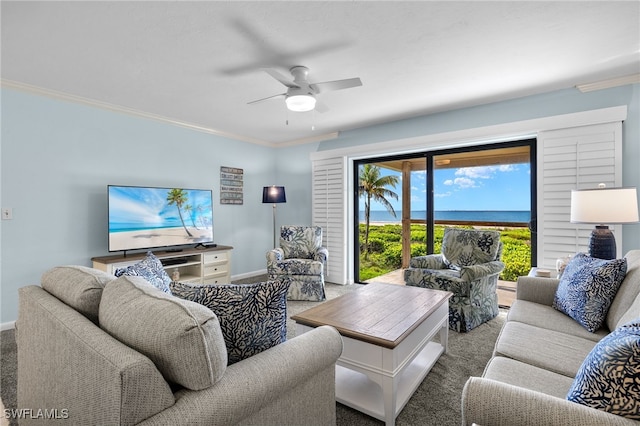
[[387, 332]]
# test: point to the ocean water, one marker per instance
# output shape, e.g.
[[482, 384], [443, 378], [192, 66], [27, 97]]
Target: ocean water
[[507, 216]]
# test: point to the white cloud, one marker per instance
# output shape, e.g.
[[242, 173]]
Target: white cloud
[[464, 182], [475, 172], [448, 182], [443, 194]]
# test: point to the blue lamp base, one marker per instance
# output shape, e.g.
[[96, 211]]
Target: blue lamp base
[[602, 244]]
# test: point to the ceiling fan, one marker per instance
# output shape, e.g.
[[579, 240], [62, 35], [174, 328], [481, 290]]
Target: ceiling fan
[[301, 95]]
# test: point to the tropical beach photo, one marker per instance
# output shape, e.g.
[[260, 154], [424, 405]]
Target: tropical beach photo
[[143, 217]]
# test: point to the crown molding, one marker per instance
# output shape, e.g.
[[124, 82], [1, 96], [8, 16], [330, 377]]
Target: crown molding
[[24, 87], [607, 84]]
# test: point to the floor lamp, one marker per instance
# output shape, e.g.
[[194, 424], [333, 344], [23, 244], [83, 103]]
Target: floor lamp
[[274, 194], [600, 206]]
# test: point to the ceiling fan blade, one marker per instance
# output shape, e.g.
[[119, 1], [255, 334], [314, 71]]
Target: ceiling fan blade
[[287, 81], [328, 86], [280, 95]]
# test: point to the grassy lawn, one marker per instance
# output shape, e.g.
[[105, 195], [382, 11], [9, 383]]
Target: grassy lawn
[[385, 243]]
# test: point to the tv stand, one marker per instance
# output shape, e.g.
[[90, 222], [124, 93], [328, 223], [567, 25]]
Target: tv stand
[[174, 250], [203, 265], [204, 246]]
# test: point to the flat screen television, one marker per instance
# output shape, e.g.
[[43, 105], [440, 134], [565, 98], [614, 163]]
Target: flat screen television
[[148, 217]]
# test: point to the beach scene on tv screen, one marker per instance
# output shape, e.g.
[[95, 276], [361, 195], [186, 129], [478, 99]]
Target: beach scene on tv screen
[[158, 217]]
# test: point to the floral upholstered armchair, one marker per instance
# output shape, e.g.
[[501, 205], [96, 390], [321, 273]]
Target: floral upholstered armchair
[[301, 261], [468, 267]]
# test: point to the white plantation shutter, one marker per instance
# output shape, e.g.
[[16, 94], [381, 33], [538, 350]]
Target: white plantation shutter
[[575, 158], [329, 200]]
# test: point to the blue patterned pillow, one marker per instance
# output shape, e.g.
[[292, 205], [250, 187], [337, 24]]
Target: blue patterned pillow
[[609, 378], [151, 269], [587, 287], [253, 317]]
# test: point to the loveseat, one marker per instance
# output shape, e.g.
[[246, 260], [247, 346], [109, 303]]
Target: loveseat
[[74, 367], [539, 353]]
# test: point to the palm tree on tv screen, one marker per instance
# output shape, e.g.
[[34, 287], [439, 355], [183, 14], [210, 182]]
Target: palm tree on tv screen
[[374, 187], [179, 197], [190, 212]]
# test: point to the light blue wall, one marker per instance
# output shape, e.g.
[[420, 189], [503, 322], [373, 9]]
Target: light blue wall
[[58, 157], [526, 108]]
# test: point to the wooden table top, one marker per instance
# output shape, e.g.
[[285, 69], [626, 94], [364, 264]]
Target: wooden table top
[[378, 313]]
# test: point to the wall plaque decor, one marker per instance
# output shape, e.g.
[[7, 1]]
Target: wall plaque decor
[[231, 185]]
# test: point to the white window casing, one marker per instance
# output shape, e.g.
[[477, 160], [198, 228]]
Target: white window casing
[[574, 151]]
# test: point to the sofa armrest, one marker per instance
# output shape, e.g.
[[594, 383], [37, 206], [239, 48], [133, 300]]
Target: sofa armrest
[[291, 383], [275, 255], [430, 261], [474, 272], [489, 402], [321, 255], [536, 289]]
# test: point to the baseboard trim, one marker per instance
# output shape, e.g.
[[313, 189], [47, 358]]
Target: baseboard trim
[[7, 325], [248, 274]]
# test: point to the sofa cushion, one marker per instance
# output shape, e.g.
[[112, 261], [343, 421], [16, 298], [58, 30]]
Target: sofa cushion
[[182, 338], [588, 287], [627, 293], [546, 349], [253, 317], [151, 269], [527, 376], [546, 317], [609, 378], [78, 286], [297, 267]]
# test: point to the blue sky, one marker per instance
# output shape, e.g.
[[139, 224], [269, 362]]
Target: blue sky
[[504, 187]]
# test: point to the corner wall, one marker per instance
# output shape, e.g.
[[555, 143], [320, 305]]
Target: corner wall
[[57, 159]]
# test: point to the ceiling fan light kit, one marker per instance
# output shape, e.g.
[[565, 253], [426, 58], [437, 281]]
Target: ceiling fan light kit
[[300, 103]]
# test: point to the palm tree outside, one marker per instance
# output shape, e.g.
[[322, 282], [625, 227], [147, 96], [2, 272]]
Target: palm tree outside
[[179, 197], [373, 186]]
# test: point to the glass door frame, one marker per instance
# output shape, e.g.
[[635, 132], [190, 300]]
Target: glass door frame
[[429, 207]]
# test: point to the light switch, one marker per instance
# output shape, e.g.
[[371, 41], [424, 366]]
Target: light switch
[[7, 213]]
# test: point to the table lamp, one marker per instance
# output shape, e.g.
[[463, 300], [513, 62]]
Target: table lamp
[[274, 194], [600, 206]]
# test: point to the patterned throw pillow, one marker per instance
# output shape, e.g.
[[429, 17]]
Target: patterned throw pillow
[[253, 317], [151, 269], [587, 287], [609, 378]]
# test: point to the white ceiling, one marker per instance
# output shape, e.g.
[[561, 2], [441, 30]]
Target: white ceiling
[[199, 63]]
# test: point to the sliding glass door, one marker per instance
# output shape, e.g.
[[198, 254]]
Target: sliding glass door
[[403, 204]]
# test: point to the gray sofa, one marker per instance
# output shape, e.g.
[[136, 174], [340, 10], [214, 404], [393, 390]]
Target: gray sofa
[[537, 356], [72, 371]]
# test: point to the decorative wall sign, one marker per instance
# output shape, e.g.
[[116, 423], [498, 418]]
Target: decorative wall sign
[[231, 185]]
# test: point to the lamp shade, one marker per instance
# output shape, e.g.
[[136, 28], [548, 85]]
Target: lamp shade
[[273, 194], [604, 205]]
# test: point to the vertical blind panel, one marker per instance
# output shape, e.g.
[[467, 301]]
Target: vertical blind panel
[[576, 158], [328, 211]]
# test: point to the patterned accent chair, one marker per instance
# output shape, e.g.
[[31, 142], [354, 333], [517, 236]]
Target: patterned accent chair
[[301, 261], [468, 266]]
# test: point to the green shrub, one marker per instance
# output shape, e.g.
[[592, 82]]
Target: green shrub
[[385, 243]]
